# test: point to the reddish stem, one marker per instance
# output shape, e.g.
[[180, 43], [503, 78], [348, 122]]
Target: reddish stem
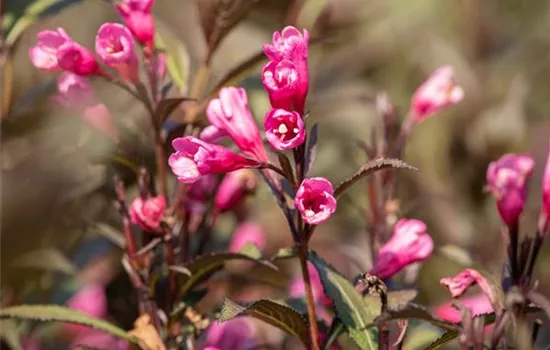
[[312, 315]]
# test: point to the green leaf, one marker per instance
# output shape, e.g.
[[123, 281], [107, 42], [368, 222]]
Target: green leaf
[[55, 313], [45, 259], [166, 107], [285, 253], [444, 339], [349, 305], [369, 168], [280, 316], [177, 58]]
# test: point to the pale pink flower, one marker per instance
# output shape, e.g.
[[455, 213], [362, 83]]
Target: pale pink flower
[[297, 287], [546, 186], [77, 59], [507, 179], [230, 112], [90, 300], [284, 130], [195, 158], [148, 213], [100, 118], [477, 304], [212, 134], [315, 201], [115, 46], [234, 188], [235, 334], [137, 16], [247, 232], [43, 55], [409, 243], [465, 279], [437, 92]]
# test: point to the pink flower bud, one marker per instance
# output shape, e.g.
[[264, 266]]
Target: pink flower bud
[[212, 134], [507, 180], [409, 243], [477, 304], [297, 287], [115, 45], [195, 158], [77, 59], [436, 93], [283, 84], [43, 55], [247, 232], [290, 44], [315, 201], [148, 213], [137, 16], [546, 186], [90, 300], [468, 277], [284, 130], [231, 113], [235, 334], [234, 188]]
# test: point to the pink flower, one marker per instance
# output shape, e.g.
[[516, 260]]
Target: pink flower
[[297, 288], [408, 244], [195, 158], [90, 300], [285, 86], [148, 214], [199, 192], [315, 201], [290, 44], [468, 277], [212, 134], [235, 334], [234, 188], [546, 186], [44, 54], [247, 232], [77, 59], [231, 113], [137, 16], [436, 93], [284, 130], [99, 117], [115, 45], [507, 180], [477, 304]]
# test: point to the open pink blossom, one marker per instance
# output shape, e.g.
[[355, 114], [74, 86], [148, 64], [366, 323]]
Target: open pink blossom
[[507, 179], [230, 112], [77, 59], [297, 287], [465, 279], [284, 130], [409, 243], [315, 201], [137, 16], [234, 188], [247, 232], [115, 46], [44, 54], [195, 158], [289, 44], [148, 213], [90, 300], [235, 334], [546, 186], [437, 92], [477, 304], [284, 85]]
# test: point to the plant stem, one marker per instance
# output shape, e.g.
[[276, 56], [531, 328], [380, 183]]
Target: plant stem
[[513, 251], [161, 164], [312, 315]]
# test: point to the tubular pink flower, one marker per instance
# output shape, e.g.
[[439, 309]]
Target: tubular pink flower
[[212, 134], [230, 112], [285, 86], [409, 243], [234, 188], [507, 180], [297, 288], [43, 55], [437, 92], [137, 16], [148, 214], [77, 59], [195, 158], [90, 300], [546, 187], [100, 118], [468, 277], [115, 46], [235, 334], [315, 201], [284, 130], [247, 232]]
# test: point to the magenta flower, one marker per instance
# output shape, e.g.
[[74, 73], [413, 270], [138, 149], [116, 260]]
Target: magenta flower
[[465, 279], [43, 55], [315, 201], [477, 304], [230, 112], [297, 287], [195, 158], [235, 334], [137, 16], [546, 186], [247, 232], [90, 300], [284, 130], [507, 180], [289, 44], [284, 85], [77, 59], [148, 213], [409, 243], [212, 134], [234, 188], [115, 45], [437, 92]]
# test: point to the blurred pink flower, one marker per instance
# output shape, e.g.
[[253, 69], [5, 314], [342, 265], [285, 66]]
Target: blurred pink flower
[[43, 55], [437, 92], [199, 192], [148, 214], [315, 201], [465, 279], [137, 16], [409, 243], [507, 180], [115, 46], [235, 334], [297, 287], [90, 300], [546, 186], [477, 304], [247, 232], [234, 188], [195, 158], [212, 134], [31, 343], [77, 59], [230, 112], [284, 130]]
